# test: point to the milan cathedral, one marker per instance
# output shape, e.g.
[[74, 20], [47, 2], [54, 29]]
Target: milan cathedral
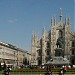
[[60, 36]]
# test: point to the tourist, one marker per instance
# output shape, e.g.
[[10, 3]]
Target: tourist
[[49, 71], [6, 71], [61, 72], [64, 69]]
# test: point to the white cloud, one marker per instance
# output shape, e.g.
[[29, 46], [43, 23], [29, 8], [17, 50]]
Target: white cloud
[[12, 20]]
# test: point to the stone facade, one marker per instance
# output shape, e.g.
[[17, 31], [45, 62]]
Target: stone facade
[[12, 55], [73, 49], [59, 36]]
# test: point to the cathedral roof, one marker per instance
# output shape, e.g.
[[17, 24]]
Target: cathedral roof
[[58, 61], [60, 25]]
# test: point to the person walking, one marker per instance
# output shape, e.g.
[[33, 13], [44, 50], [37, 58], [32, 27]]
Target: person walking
[[61, 72], [6, 71], [49, 71]]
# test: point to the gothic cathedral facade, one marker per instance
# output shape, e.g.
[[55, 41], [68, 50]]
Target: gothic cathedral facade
[[59, 36]]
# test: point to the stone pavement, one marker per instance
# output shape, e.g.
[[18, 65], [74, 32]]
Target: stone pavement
[[37, 74]]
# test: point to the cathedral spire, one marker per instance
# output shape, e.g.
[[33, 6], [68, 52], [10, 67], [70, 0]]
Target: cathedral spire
[[33, 38], [68, 21], [34, 35], [43, 30], [60, 14], [52, 21]]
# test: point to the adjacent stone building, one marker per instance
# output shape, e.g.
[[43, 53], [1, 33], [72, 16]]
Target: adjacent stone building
[[13, 56], [73, 49], [59, 36]]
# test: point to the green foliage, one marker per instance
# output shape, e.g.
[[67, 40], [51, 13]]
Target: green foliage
[[40, 70]]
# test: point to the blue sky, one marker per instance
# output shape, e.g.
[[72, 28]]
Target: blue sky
[[19, 18]]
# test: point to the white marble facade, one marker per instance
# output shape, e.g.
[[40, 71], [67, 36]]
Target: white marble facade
[[44, 48]]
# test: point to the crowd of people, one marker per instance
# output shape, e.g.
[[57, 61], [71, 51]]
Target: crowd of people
[[48, 69], [62, 71]]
